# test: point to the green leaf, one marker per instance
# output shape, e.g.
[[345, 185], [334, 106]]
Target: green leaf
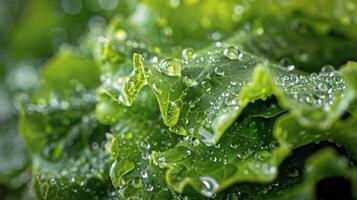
[[59, 126], [342, 132], [211, 91], [67, 90], [325, 163], [294, 42], [303, 184], [210, 169], [83, 175], [136, 131], [248, 152]]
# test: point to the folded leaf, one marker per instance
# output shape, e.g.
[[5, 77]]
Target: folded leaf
[[303, 179], [248, 152], [202, 97]]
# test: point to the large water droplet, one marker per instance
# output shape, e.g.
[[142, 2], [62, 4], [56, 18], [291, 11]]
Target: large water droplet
[[232, 53], [171, 67]]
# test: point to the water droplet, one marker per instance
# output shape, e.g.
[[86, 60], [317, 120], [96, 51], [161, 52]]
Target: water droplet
[[286, 64], [136, 182], [188, 53], [232, 53], [233, 146], [145, 155], [150, 188], [189, 82], [154, 59], [219, 71], [262, 155], [216, 36], [196, 142], [244, 155], [327, 69], [144, 174], [161, 160], [171, 67], [231, 100], [322, 87], [209, 186]]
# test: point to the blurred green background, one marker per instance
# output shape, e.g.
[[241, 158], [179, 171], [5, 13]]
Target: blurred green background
[[31, 32]]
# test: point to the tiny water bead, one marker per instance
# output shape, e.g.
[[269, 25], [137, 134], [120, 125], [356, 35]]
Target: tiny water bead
[[189, 82], [233, 53], [144, 174], [316, 89], [327, 69], [244, 155], [171, 67], [322, 87], [219, 71], [262, 155], [286, 64], [188, 53]]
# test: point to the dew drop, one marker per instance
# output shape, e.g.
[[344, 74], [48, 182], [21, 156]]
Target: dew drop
[[150, 188], [218, 71], [262, 155], [287, 64], [171, 67], [189, 82], [144, 174], [244, 155], [327, 69], [322, 87], [136, 182], [232, 53], [188, 54], [209, 186]]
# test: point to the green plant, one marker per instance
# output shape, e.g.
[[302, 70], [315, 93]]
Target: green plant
[[199, 99]]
